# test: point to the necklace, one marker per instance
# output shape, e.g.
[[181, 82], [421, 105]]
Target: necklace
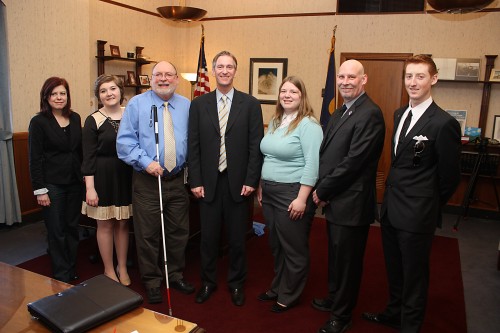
[[114, 123]]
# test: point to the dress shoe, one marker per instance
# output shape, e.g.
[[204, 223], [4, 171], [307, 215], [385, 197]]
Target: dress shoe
[[264, 297], [154, 296], [322, 304], [204, 293], [124, 279], [279, 308], [380, 318], [183, 286], [237, 296], [335, 326]]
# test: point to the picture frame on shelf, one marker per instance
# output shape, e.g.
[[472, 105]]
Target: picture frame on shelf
[[144, 80], [496, 128], [115, 51], [131, 80], [495, 76], [266, 75], [460, 116], [122, 77], [467, 69]]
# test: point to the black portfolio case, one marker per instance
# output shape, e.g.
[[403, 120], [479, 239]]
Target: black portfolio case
[[84, 306]]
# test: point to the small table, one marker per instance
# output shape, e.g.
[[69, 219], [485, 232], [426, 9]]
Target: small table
[[18, 287]]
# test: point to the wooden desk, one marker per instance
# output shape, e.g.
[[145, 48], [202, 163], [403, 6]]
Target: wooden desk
[[18, 287]]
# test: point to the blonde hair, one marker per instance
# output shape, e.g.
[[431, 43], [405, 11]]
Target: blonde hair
[[305, 108]]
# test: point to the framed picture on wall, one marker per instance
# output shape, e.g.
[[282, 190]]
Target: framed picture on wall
[[143, 80], [131, 81], [115, 50], [496, 129], [266, 75], [495, 75], [467, 69], [122, 77]]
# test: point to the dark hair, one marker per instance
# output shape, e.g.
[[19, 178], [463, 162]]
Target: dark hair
[[50, 84], [305, 108], [104, 78], [422, 59], [224, 53]]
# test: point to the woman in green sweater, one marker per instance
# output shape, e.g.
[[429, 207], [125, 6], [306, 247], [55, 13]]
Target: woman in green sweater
[[290, 170]]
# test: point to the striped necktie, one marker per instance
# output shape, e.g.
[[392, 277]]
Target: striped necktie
[[168, 133], [223, 115]]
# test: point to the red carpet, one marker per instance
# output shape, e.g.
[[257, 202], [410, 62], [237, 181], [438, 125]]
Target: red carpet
[[446, 308]]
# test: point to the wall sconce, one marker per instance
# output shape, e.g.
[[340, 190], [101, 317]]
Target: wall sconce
[[191, 77]]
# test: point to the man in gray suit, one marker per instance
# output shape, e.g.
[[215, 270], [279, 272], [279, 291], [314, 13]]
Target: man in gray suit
[[425, 171], [349, 155]]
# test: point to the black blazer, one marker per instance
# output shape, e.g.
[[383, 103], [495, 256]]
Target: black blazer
[[244, 132], [414, 195], [53, 158], [349, 156]]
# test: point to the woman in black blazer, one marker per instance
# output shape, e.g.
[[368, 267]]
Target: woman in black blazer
[[55, 151]]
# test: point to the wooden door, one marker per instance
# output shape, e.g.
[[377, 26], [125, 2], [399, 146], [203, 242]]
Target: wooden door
[[385, 87]]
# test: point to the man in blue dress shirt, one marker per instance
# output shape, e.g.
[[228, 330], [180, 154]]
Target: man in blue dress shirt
[[136, 146]]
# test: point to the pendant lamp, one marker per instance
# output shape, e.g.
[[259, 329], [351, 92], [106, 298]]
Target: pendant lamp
[[181, 13], [459, 6]]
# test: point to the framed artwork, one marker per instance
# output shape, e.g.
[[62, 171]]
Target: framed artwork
[[496, 129], [122, 77], [266, 75], [467, 69], [131, 81], [495, 75], [115, 50], [143, 80]]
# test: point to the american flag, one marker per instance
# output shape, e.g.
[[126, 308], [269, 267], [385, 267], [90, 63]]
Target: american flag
[[202, 84]]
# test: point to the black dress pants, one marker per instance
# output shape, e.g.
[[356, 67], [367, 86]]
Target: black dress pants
[[223, 210], [61, 220]]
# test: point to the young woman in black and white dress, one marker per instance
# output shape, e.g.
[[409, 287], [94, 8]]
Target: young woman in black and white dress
[[108, 180]]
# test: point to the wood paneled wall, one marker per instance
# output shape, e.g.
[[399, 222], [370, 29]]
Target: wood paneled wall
[[21, 160]]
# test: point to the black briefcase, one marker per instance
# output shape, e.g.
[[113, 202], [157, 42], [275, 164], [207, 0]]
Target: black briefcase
[[84, 306]]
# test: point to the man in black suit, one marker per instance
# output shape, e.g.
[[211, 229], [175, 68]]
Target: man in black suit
[[349, 155], [425, 171], [225, 130]]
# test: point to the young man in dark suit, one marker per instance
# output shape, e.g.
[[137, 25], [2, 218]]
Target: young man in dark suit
[[349, 155], [225, 130], [425, 171]]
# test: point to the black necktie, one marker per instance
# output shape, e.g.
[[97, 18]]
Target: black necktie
[[404, 129], [343, 109]]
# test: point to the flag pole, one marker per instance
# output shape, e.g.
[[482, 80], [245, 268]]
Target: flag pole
[[328, 105]]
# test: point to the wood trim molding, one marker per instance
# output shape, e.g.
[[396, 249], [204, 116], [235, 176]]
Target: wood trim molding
[[267, 16], [137, 9]]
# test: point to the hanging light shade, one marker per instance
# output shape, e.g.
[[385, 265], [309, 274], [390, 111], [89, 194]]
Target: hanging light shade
[[459, 6], [181, 13]]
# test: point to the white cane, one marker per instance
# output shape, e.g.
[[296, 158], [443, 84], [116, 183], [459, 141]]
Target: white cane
[[155, 112]]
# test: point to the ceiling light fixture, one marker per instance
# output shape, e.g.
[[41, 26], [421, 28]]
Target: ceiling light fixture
[[458, 6], [181, 13]]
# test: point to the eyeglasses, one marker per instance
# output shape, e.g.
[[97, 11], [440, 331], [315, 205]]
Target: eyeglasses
[[160, 76], [418, 148]]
